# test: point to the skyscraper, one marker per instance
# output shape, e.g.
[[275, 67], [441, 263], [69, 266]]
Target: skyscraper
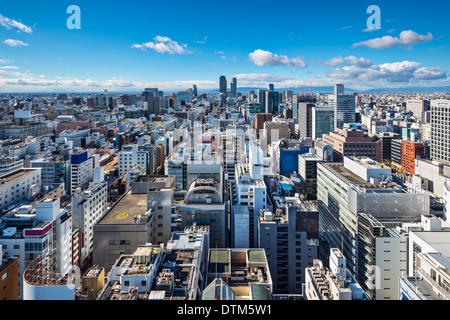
[[194, 91], [233, 85], [223, 85], [343, 105]]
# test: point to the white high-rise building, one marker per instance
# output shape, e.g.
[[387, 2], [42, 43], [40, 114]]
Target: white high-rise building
[[87, 209], [130, 156], [440, 130]]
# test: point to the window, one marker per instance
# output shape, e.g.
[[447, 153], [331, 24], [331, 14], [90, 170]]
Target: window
[[126, 283]]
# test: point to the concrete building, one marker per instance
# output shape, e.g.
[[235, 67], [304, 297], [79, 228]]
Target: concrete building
[[81, 172], [9, 280], [204, 205], [9, 164], [360, 186], [382, 258], [352, 142], [290, 238], [122, 229], [244, 270], [88, 207], [335, 283], [440, 131], [322, 121], [19, 186]]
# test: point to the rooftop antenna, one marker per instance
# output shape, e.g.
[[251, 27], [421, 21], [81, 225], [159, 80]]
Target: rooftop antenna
[[301, 90]]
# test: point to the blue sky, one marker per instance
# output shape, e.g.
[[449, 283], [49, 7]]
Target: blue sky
[[126, 46]]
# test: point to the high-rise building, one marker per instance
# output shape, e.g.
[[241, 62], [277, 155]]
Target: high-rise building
[[290, 238], [81, 170], [360, 185], [382, 258], [440, 130], [233, 85], [271, 102], [322, 121], [343, 106], [304, 117], [223, 85]]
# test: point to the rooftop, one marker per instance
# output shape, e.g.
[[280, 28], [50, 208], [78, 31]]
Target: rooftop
[[126, 209]]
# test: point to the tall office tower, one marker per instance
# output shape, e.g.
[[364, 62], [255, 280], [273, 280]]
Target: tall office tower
[[262, 99], [155, 105], [130, 157], [440, 130], [305, 119], [322, 121], [223, 85], [360, 186], [233, 85], [290, 238], [153, 92], [271, 87], [194, 91], [271, 102], [343, 105], [339, 89], [382, 258]]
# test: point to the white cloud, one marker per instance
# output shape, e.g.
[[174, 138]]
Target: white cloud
[[406, 38], [3, 61], [388, 73], [260, 77], [432, 73], [370, 30], [11, 23], [202, 41], [10, 67], [261, 57], [351, 60], [15, 43], [163, 44], [334, 62]]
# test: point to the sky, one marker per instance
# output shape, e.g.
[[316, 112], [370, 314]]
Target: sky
[[129, 45]]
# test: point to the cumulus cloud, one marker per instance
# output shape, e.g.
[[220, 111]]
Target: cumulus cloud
[[15, 43], [163, 44], [261, 57], [397, 72], [406, 38], [260, 77], [11, 23], [350, 60], [334, 62]]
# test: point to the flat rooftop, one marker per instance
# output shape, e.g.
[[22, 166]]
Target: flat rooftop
[[16, 174], [124, 211], [439, 240]]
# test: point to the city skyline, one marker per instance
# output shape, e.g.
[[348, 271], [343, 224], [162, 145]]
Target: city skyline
[[127, 47]]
